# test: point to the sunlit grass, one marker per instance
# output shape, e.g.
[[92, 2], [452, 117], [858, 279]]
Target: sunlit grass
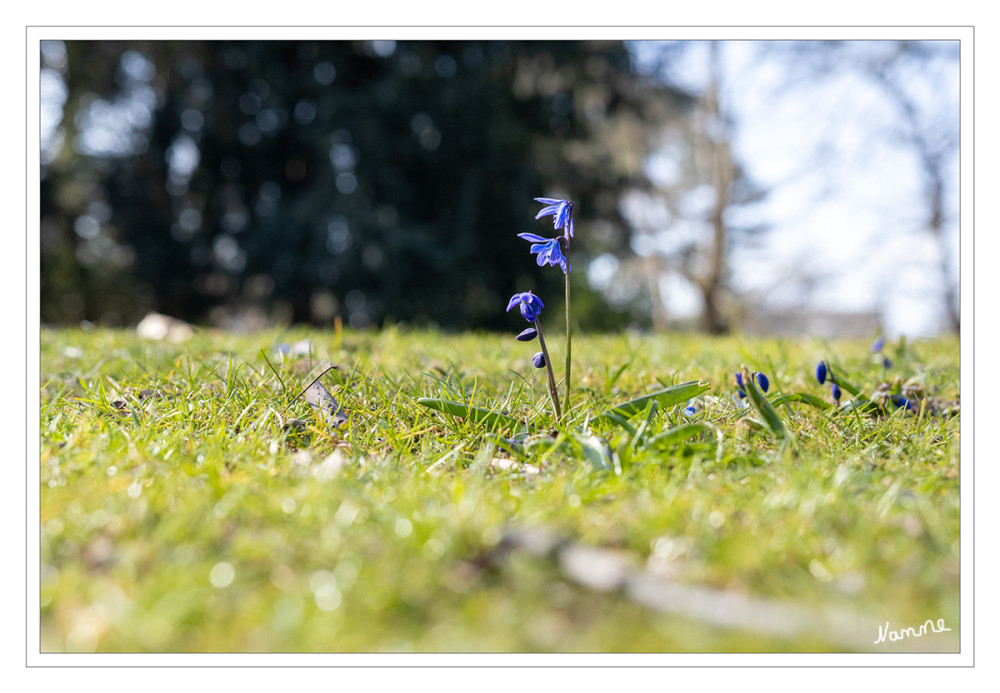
[[178, 513]]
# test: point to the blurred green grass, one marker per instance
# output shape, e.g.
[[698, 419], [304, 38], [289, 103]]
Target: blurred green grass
[[190, 520]]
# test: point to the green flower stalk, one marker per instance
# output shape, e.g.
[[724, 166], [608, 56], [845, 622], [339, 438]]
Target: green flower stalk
[[569, 334], [562, 220], [547, 363]]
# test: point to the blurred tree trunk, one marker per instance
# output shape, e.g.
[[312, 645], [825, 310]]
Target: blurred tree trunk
[[715, 141], [952, 299], [653, 270], [687, 225], [929, 147]]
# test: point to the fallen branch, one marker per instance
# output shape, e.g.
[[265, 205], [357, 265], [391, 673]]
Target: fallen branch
[[608, 570]]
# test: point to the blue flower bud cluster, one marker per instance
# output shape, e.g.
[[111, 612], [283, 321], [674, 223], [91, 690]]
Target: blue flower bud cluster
[[531, 307], [824, 373], [877, 348], [762, 382]]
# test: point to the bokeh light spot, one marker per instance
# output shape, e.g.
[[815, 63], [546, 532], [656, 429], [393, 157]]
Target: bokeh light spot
[[222, 575]]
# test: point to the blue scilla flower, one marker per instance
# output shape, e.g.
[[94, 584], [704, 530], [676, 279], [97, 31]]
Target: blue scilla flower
[[527, 335], [878, 344], [531, 305], [762, 381], [548, 249], [739, 385], [561, 211], [539, 359], [690, 410], [899, 401], [821, 372], [835, 391], [886, 363]]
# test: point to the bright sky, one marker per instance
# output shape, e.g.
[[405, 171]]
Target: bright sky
[[844, 202]]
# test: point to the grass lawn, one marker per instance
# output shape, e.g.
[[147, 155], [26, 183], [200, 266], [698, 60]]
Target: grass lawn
[[182, 510]]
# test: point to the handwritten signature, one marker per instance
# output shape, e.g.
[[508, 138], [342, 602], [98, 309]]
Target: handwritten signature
[[885, 634]]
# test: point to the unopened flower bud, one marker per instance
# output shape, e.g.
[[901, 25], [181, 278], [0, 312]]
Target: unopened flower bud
[[762, 381], [821, 372]]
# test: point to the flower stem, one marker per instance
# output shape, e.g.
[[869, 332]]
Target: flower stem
[[548, 367], [569, 334]]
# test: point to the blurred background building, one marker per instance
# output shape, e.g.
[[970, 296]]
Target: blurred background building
[[775, 187]]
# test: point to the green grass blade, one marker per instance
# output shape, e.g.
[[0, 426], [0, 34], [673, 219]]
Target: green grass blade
[[612, 378], [473, 414], [273, 369], [664, 398], [675, 435], [801, 398]]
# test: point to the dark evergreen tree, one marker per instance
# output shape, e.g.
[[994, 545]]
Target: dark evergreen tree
[[381, 180]]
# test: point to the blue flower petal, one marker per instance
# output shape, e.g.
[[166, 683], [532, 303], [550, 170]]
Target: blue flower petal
[[561, 216], [554, 209], [533, 238]]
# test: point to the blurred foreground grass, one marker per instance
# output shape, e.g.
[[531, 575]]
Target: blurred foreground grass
[[179, 515]]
